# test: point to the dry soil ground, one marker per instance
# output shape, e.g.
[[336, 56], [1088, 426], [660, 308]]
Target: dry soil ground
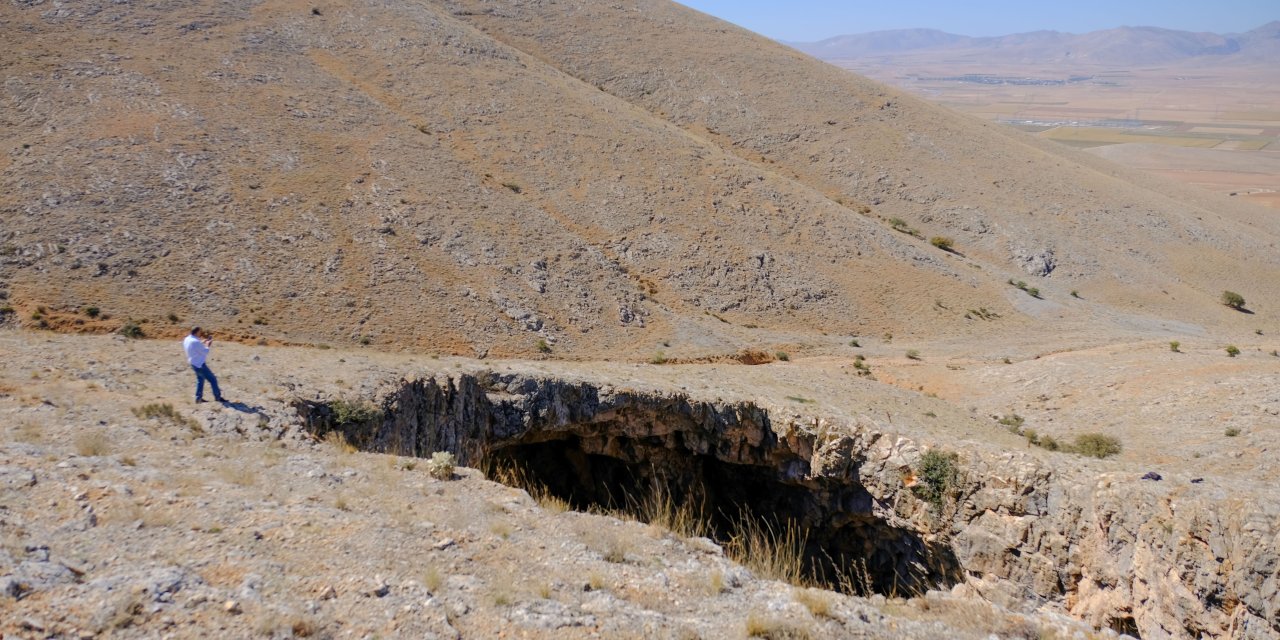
[[229, 521]]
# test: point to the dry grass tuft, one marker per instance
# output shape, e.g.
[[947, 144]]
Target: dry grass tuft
[[93, 443], [433, 580], [817, 601], [761, 626], [238, 474], [165, 412], [339, 442], [770, 551]]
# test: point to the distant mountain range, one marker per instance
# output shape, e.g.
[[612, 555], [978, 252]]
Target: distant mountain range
[[1121, 46]]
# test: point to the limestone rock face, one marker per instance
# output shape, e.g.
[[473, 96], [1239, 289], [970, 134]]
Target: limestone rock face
[[1163, 559]]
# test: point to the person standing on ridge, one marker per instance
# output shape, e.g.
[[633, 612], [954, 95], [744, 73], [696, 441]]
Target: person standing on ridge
[[197, 349]]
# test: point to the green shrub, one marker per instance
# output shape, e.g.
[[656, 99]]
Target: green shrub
[[1173, 346], [942, 242], [1033, 292], [913, 354], [92, 312], [782, 355], [354, 412], [1231, 432], [1075, 294], [1232, 351], [1096, 445], [937, 475], [543, 347], [854, 343], [131, 330], [441, 465], [658, 358], [1233, 300], [173, 317]]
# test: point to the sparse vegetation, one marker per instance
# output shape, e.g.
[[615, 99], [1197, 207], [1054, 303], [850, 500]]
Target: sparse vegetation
[[1012, 420], [658, 358], [1029, 290], [761, 626], [1096, 445], [92, 443], [1233, 300], [166, 412], [854, 343], [913, 354], [542, 346], [936, 475], [173, 317], [441, 465], [1232, 351], [801, 400], [782, 355], [1174, 345], [817, 601], [901, 226], [339, 442], [351, 412], [92, 312], [942, 242], [1075, 294], [1231, 432], [131, 330], [770, 551], [515, 188]]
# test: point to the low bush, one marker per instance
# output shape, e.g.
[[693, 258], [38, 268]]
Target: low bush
[[354, 412], [942, 242], [1096, 445], [441, 465], [937, 474], [1232, 351], [1233, 300]]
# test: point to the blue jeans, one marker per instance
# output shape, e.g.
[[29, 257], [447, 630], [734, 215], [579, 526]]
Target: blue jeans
[[203, 373]]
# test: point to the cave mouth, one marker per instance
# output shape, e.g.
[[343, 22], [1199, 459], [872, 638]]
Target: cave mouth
[[837, 543]]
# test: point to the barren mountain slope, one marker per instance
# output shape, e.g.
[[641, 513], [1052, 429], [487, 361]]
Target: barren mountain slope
[[1008, 199], [386, 173]]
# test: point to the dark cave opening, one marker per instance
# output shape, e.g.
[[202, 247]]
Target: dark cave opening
[[846, 548]]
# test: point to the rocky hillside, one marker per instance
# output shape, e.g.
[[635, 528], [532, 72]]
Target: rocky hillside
[[579, 178]]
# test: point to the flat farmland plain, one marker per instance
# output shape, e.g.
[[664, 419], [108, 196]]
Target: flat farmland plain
[[1216, 127]]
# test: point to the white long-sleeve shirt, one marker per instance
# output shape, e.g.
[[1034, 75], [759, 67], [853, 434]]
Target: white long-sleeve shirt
[[196, 350]]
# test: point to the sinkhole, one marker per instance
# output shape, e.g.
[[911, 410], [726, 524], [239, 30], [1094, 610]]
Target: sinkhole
[[608, 450]]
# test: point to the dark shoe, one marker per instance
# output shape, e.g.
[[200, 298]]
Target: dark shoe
[[199, 400], [222, 400]]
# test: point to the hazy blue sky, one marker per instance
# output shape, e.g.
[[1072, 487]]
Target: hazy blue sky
[[807, 20]]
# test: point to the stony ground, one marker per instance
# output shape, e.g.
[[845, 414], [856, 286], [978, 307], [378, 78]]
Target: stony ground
[[228, 520]]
